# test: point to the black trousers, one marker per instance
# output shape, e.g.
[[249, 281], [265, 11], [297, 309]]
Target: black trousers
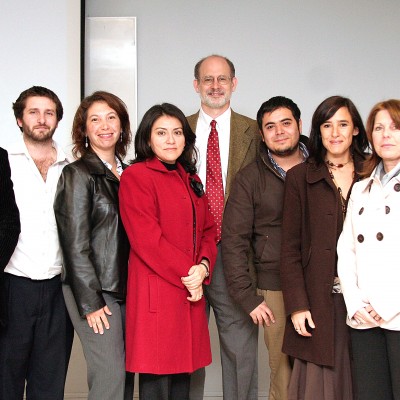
[[36, 344], [164, 387], [376, 354]]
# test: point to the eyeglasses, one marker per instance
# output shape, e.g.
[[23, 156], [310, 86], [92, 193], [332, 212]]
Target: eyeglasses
[[222, 80]]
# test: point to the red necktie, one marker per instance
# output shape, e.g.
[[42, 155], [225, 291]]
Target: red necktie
[[214, 185]]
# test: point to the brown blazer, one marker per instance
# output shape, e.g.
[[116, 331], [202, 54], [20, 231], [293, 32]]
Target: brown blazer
[[312, 223], [243, 147]]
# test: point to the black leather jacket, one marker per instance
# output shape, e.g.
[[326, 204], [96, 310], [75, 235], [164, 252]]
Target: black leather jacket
[[93, 241]]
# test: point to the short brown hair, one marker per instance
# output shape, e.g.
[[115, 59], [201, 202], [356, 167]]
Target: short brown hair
[[36, 91], [392, 106], [79, 124]]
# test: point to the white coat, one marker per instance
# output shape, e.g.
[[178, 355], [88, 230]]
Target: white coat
[[368, 251]]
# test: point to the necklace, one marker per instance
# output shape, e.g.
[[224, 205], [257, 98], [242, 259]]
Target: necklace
[[331, 164], [339, 189]]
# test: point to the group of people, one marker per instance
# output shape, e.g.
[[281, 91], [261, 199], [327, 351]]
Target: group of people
[[265, 225]]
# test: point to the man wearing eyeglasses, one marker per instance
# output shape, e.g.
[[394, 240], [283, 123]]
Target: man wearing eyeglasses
[[237, 142]]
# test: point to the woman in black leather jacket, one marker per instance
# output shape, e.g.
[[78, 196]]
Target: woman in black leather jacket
[[94, 244]]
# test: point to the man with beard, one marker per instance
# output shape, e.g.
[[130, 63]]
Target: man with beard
[[226, 141], [36, 344], [252, 219]]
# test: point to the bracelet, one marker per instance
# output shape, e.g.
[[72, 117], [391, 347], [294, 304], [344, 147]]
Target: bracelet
[[207, 270]]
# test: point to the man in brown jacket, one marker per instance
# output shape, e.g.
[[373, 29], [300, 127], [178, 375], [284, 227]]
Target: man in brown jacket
[[252, 219]]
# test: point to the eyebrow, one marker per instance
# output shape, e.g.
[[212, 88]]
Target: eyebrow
[[37, 109], [96, 115], [340, 120], [174, 129], [282, 120]]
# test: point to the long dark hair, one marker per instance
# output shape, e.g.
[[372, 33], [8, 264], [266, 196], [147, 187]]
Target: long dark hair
[[143, 151], [325, 111]]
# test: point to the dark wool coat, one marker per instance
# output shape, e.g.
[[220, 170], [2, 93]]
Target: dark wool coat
[[170, 229], [312, 223], [9, 224]]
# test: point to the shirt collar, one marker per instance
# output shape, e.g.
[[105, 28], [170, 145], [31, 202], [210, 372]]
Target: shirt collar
[[384, 177], [19, 147], [222, 118], [279, 169], [109, 166]]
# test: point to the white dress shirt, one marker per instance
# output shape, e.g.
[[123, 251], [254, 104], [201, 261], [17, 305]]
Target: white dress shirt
[[38, 254], [203, 129]]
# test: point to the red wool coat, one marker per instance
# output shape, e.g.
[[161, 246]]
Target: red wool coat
[[169, 229]]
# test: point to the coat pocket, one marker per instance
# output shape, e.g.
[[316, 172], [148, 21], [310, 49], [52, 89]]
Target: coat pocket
[[153, 293]]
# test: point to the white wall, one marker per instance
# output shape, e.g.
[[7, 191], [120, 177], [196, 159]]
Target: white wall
[[40, 45], [306, 50]]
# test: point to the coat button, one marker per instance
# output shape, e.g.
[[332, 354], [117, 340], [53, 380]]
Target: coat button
[[361, 211], [379, 236], [387, 209], [360, 238], [397, 187]]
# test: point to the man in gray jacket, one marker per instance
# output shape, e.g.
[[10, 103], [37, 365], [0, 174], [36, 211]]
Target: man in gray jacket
[[252, 219]]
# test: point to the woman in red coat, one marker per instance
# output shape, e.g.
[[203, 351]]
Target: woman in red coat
[[173, 248]]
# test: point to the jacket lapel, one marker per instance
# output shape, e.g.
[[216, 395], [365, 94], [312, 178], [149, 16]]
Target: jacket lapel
[[239, 144]]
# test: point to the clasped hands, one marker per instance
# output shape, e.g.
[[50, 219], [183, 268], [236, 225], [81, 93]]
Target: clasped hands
[[367, 314], [194, 280]]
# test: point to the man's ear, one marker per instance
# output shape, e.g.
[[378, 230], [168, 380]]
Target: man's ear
[[196, 85], [234, 83]]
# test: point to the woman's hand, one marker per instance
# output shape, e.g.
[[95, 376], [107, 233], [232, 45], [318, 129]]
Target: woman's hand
[[196, 275], [299, 319], [367, 314], [196, 294], [98, 318]]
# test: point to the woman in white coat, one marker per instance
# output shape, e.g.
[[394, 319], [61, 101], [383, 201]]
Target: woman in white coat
[[369, 266]]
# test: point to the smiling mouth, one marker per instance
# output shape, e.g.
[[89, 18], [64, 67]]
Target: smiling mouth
[[215, 93]]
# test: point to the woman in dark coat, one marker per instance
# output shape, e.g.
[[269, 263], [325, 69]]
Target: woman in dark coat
[[9, 225], [316, 194], [173, 249], [94, 243]]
